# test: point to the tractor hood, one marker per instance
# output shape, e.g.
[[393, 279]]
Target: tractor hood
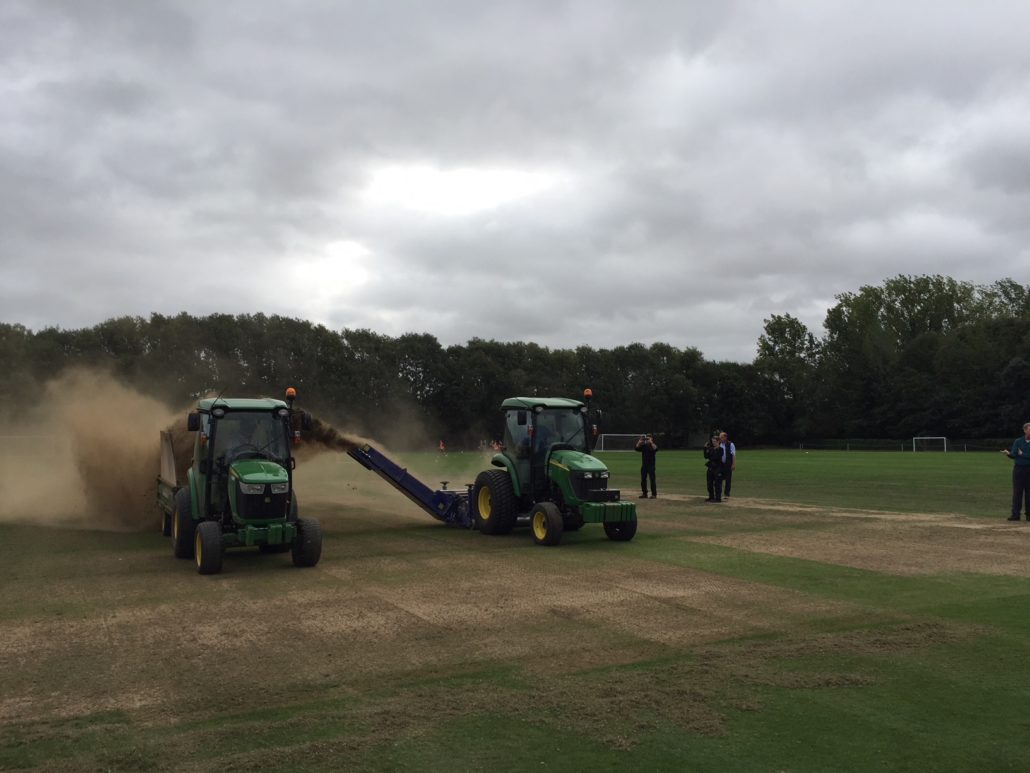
[[577, 461], [258, 471]]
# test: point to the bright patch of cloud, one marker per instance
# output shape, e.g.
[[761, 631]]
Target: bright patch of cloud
[[329, 277], [454, 192]]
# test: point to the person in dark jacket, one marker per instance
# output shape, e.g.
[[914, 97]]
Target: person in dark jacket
[[647, 449], [1020, 456], [713, 461]]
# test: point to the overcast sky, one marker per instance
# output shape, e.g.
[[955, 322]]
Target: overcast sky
[[567, 173]]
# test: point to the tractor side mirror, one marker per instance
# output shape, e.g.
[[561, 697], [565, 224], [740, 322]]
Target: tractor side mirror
[[193, 421], [292, 463]]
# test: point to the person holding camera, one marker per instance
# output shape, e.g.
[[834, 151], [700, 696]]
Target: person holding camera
[[713, 461], [647, 449], [1020, 456]]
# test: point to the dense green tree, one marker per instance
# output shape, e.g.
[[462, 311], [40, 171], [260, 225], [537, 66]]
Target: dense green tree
[[914, 355]]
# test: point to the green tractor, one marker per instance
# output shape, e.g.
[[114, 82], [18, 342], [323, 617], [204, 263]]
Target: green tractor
[[239, 487], [549, 475]]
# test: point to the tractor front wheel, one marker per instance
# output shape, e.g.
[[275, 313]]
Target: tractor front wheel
[[183, 525], [493, 502], [547, 524], [207, 547], [307, 546], [621, 531]]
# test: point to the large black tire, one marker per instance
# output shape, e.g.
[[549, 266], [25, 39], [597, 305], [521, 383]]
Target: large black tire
[[290, 518], [493, 502], [546, 523], [183, 525], [207, 545], [621, 531], [307, 548]]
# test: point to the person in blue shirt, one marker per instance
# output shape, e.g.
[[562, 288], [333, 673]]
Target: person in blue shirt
[[1020, 455], [729, 461]]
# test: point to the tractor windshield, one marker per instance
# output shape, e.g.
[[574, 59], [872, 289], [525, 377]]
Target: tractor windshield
[[257, 434], [563, 425]]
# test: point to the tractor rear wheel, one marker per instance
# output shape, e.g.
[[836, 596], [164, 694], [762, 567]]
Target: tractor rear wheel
[[493, 502], [207, 547], [183, 525], [621, 531], [546, 522], [307, 546]]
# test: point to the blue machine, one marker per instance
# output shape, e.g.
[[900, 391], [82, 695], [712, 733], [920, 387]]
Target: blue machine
[[451, 507]]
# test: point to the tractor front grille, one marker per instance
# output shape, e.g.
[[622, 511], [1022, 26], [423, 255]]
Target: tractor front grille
[[261, 507], [594, 489]]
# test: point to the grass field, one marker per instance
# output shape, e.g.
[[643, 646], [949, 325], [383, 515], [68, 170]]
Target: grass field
[[845, 611]]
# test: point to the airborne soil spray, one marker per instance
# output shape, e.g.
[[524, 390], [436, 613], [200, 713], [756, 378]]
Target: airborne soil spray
[[87, 455], [93, 460], [324, 437]]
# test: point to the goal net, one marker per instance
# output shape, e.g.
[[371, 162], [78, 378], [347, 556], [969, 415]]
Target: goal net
[[610, 442], [927, 443]]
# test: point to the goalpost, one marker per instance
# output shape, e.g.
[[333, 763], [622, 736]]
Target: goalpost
[[930, 443], [611, 442]]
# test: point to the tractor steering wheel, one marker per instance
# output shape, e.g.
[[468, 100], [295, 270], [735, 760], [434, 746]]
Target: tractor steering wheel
[[247, 451]]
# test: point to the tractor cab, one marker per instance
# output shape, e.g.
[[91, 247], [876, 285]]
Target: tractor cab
[[546, 440], [244, 463]]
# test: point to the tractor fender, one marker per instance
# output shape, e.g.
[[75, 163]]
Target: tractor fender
[[500, 460]]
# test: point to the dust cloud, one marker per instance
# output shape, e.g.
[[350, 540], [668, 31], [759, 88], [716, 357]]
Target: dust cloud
[[324, 437], [85, 455]]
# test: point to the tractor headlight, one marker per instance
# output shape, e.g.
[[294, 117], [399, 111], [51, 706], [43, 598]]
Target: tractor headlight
[[280, 488], [603, 474], [588, 475], [252, 488]]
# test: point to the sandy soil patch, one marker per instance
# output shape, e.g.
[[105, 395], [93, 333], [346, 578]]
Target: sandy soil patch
[[895, 543]]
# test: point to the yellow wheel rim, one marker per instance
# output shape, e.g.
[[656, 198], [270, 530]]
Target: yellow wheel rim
[[484, 501], [199, 549], [540, 524]]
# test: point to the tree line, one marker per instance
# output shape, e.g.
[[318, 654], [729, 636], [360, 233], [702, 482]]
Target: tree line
[[914, 355]]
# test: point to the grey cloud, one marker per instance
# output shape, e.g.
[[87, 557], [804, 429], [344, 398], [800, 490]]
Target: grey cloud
[[724, 161]]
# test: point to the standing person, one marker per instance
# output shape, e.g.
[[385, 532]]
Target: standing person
[[1020, 456], [713, 462], [647, 448], [729, 460]]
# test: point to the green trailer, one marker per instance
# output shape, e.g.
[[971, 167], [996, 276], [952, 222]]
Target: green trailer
[[238, 490]]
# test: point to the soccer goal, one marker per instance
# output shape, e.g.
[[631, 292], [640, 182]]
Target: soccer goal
[[610, 442], [926, 443]]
